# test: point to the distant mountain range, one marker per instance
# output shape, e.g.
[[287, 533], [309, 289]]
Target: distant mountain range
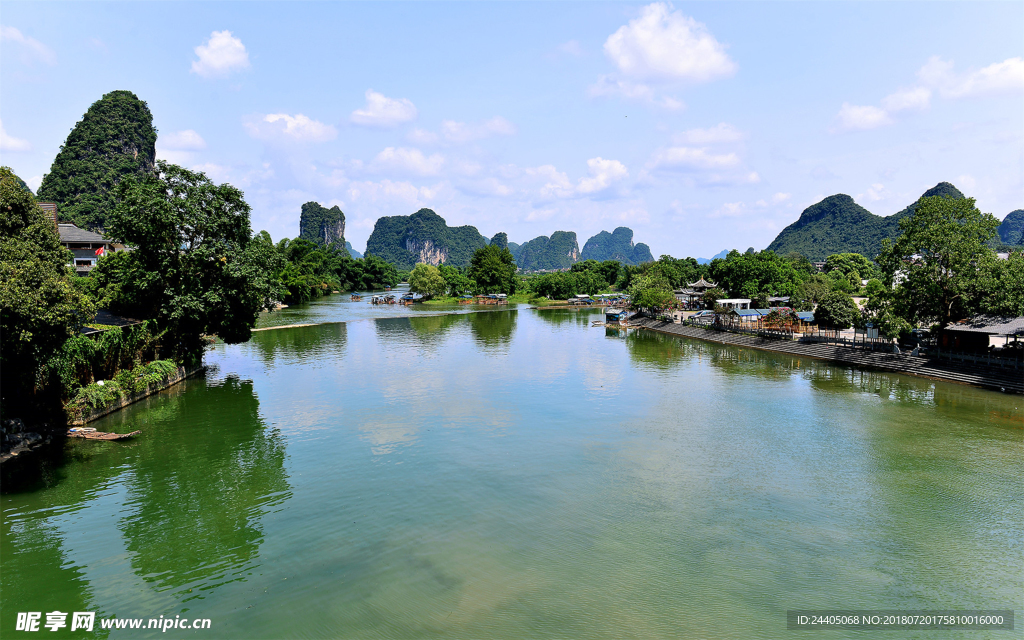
[[837, 224], [560, 251], [424, 236], [617, 245]]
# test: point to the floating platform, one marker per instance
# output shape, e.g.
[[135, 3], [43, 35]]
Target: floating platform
[[100, 435]]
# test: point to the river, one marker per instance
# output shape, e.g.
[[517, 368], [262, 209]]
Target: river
[[521, 474]]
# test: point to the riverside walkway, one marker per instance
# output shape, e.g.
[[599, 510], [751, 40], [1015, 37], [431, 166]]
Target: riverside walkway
[[1008, 380]]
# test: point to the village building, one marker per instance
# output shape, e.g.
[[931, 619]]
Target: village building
[[86, 246], [977, 334], [693, 294]]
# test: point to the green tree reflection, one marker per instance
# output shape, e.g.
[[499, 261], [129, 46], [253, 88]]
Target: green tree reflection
[[201, 484]]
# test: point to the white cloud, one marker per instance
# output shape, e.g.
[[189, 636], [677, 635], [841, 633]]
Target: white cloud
[[852, 117], [10, 143], [422, 136], [779, 198], [407, 161], [187, 140], [610, 85], [297, 128], [34, 182], [383, 112], [462, 132], [729, 210], [720, 133], [1001, 77], [667, 45], [967, 182], [31, 50], [388, 191], [875, 193], [603, 174], [572, 48], [914, 98], [556, 183], [220, 56], [690, 158]]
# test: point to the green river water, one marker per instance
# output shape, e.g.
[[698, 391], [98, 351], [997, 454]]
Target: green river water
[[521, 474]]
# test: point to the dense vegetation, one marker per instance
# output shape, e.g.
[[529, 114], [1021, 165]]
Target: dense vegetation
[[114, 140], [321, 225], [306, 271], [837, 224], [196, 268], [40, 308], [424, 236], [617, 245], [559, 251], [500, 240], [1011, 230]]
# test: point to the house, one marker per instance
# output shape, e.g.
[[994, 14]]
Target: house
[[734, 303], [86, 246], [977, 333]]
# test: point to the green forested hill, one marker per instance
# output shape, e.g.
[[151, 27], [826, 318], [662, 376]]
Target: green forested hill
[[837, 224], [424, 236], [321, 225], [114, 139], [1011, 231], [617, 245], [560, 251], [352, 252], [500, 240]]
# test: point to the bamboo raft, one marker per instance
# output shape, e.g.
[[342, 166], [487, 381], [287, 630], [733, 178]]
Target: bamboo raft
[[100, 435]]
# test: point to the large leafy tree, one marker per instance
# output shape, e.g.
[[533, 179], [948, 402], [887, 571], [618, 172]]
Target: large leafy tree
[[114, 140], [836, 310], [494, 270], [39, 307], [195, 265], [936, 265], [748, 274], [427, 281]]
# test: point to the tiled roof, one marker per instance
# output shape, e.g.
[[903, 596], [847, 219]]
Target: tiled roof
[[71, 233], [995, 325]]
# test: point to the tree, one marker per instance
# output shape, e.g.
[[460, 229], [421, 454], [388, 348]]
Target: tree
[[836, 310], [1003, 286], [427, 281], [195, 267], [456, 281], [40, 308], [936, 264], [649, 293], [711, 297], [494, 270], [810, 292]]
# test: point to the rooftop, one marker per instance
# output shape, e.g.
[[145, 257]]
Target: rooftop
[[993, 325], [70, 233]]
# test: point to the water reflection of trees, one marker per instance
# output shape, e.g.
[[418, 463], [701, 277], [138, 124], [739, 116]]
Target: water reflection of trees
[[493, 328], [315, 342], [200, 486], [560, 316], [37, 576]]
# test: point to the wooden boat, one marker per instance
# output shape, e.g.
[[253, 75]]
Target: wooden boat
[[92, 434]]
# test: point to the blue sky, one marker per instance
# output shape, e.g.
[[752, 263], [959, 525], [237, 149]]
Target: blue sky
[[701, 126]]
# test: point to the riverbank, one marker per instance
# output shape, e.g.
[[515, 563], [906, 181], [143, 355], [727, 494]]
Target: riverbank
[[1006, 381]]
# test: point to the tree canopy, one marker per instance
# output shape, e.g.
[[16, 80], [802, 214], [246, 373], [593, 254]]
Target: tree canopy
[[39, 306], [195, 267], [427, 281], [936, 264], [114, 140], [493, 270]]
